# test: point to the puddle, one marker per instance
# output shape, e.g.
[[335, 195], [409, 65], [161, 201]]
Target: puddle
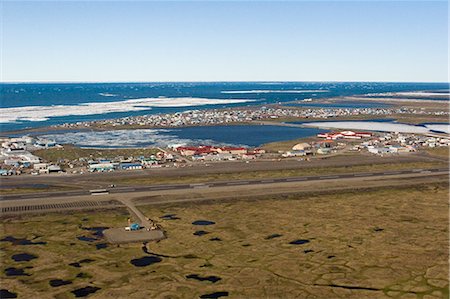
[[245, 245], [308, 250], [76, 265], [4, 293], [16, 241], [299, 242], [211, 278], [214, 295], [23, 257], [170, 217], [331, 256], [58, 282], [200, 233], [273, 236], [86, 239], [16, 272], [83, 292], [378, 229], [145, 261], [101, 245], [203, 222], [215, 239]]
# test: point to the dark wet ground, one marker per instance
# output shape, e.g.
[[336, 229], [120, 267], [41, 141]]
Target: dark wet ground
[[308, 250], [19, 241], [4, 293], [83, 292], [145, 261], [76, 265], [273, 236], [23, 257], [12, 271], [200, 233], [98, 230], [101, 245], [170, 217], [215, 239], [190, 256], [211, 278], [299, 242], [59, 282], [214, 295], [203, 222], [86, 239]]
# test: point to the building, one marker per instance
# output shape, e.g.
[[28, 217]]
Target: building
[[301, 146], [130, 166], [101, 167]]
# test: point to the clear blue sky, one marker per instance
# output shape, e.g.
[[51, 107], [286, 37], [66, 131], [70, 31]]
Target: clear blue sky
[[225, 41]]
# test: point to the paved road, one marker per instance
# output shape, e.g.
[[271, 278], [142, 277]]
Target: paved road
[[119, 190]]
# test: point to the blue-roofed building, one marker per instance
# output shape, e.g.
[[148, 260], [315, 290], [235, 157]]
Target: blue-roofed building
[[130, 166]]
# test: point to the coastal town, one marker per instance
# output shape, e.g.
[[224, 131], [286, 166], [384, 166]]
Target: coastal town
[[240, 115], [18, 155]]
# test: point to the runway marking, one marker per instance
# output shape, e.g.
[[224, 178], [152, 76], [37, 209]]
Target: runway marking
[[236, 183], [267, 181]]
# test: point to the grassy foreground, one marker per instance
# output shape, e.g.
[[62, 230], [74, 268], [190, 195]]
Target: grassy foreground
[[381, 243]]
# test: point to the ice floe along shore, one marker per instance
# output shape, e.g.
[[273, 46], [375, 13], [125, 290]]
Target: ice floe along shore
[[381, 126], [123, 139], [43, 113]]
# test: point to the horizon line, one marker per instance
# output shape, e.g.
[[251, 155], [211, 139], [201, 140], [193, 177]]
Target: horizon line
[[217, 81]]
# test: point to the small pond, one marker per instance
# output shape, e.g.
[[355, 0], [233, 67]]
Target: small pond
[[145, 261]]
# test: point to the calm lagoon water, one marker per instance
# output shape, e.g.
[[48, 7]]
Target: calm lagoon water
[[245, 135]]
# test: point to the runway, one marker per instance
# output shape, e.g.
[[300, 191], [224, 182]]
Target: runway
[[230, 183]]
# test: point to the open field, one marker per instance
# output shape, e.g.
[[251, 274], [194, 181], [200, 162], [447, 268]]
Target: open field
[[385, 242], [443, 152]]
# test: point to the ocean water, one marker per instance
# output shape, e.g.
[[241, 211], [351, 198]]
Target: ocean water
[[27, 105]]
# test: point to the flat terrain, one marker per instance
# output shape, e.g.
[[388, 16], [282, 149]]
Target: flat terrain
[[374, 243], [223, 170]]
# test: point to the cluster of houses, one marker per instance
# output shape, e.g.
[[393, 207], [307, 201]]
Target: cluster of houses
[[213, 153], [345, 135], [397, 143], [387, 143], [16, 158], [234, 115]]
